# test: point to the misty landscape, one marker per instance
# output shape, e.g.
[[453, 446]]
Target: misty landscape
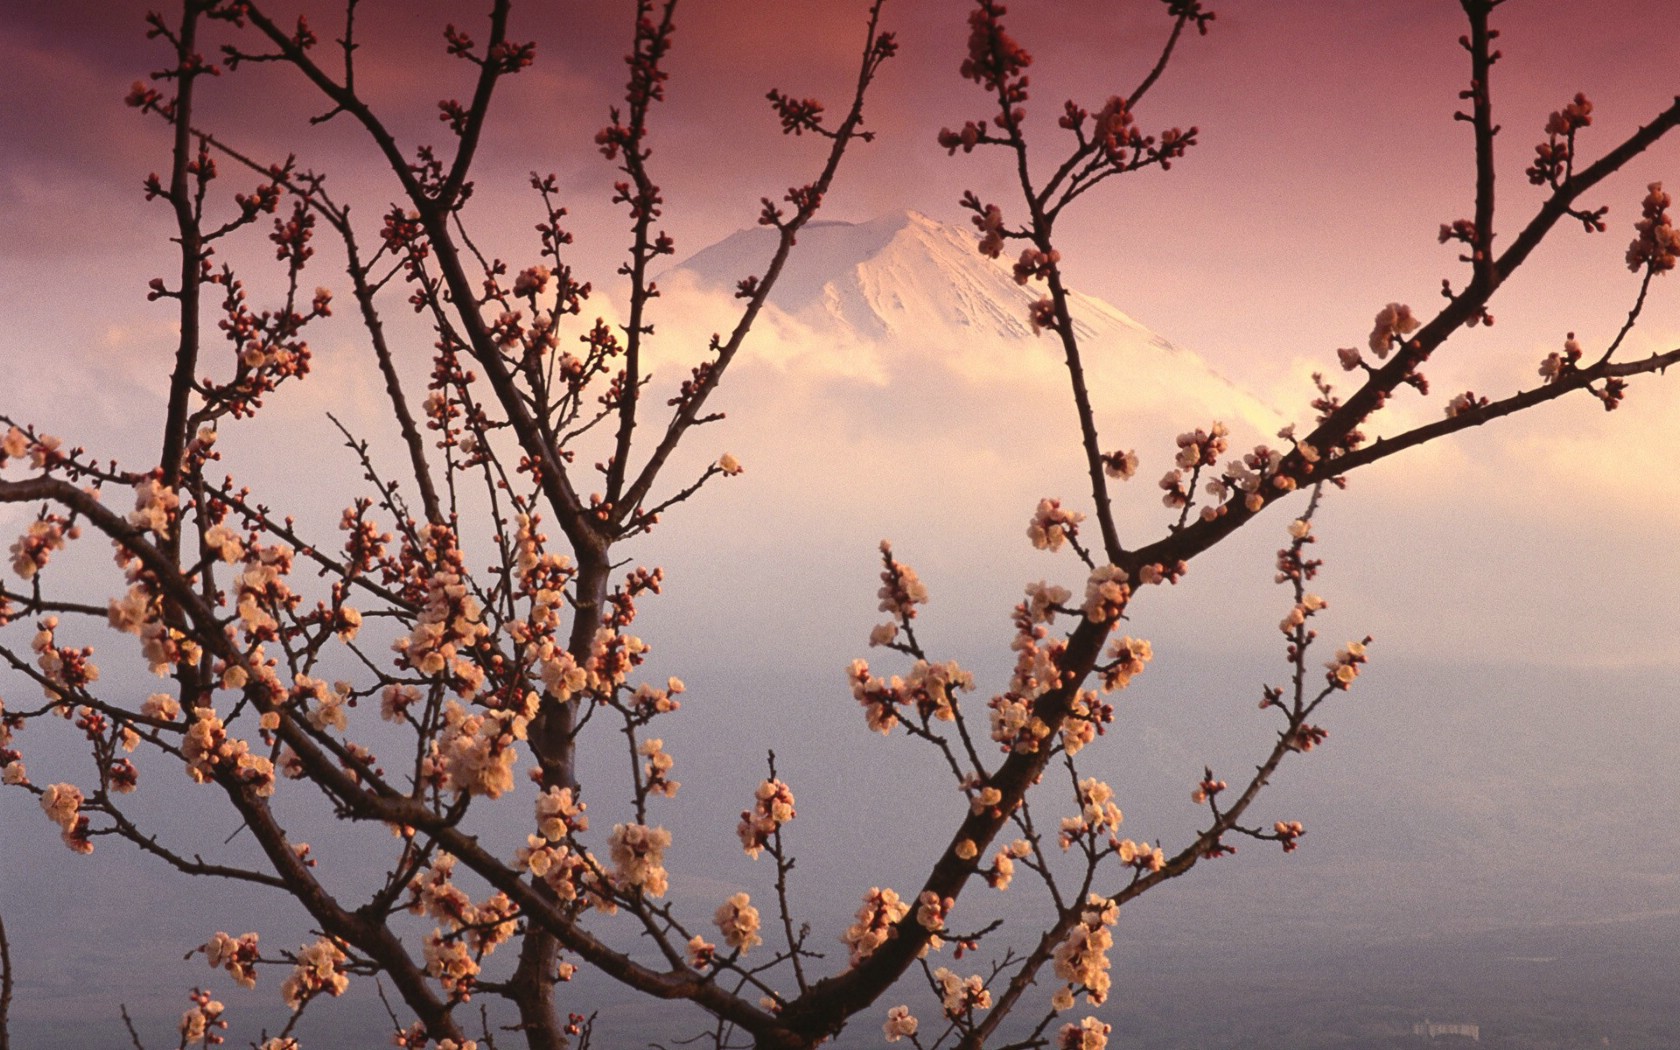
[[1433, 884]]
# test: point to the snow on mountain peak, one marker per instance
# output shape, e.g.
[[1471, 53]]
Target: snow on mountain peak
[[900, 275], [902, 299]]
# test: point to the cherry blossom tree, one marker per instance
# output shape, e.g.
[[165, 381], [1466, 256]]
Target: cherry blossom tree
[[494, 650]]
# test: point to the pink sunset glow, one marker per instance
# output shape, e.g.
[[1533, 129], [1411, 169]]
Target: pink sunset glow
[[1519, 578]]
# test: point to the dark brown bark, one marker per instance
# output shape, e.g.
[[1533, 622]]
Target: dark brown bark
[[5, 988]]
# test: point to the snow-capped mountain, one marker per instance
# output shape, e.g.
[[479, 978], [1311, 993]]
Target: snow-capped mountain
[[904, 296]]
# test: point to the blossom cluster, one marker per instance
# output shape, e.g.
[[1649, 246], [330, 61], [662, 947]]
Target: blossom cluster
[[156, 507], [901, 592], [261, 589], [613, 655], [931, 910], [325, 706], [571, 874], [1291, 563], [638, 856], [1289, 832], [1088, 1034], [995, 59], [15, 444], [772, 807], [1557, 365], [1034, 264], [12, 771], [1393, 322], [468, 931], [64, 669], [875, 924], [138, 612], [319, 968], [1466, 402], [1129, 657], [899, 1024], [559, 815], [32, 550], [1081, 959], [649, 700], [451, 964], [1043, 601], [1657, 245], [961, 996], [1342, 670], [62, 804], [1139, 855], [1002, 871], [701, 952], [209, 751], [450, 624], [929, 688], [1106, 593], [1202, 448], [988, 219], [1197, 449], [474, 753], [202, 1022], [1298, 614], [1097, 813], [1121, 466], [737, 920], [434, 894], [1256, 473], [1052, 526], [237, 955], [655, 772], [1552, 158], [1086, 718], [1014, 724]]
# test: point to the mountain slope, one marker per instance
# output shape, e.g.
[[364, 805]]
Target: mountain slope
[[905, 296]]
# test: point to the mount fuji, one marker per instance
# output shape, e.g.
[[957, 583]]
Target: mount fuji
[[906, 299]]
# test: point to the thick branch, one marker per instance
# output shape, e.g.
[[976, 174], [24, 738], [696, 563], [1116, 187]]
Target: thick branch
[[1199, 535], [1482, 58], [192, 254], [5, 988], [1569, 382]]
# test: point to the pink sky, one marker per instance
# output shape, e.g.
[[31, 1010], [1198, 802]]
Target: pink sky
[[1326, 129], [1329, 159]]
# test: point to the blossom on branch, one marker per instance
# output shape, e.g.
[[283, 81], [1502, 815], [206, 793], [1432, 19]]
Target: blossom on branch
[[737, 920], [62, 804], [1393, 321], [236, 955], [319, 969], [1081, 959], [772, 807], [1106, 594], [638, 856], [1657, 245], [1088, 1034], [1052, 526], [900, 1023], [875, 924], [961, 996]]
